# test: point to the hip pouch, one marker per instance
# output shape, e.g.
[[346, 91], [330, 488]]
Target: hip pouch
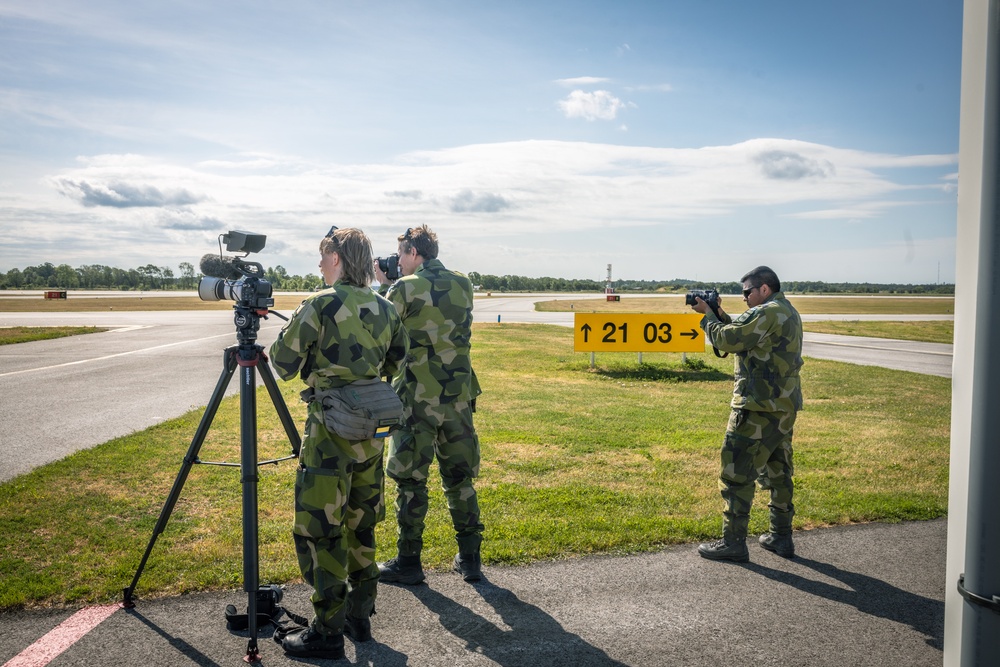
[[362, 410]]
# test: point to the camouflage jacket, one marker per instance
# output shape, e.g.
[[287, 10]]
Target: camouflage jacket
[[767, 342], [436, 307], [342, 334]]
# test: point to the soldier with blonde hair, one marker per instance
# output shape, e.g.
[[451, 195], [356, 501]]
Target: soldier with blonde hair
[[343, 334]]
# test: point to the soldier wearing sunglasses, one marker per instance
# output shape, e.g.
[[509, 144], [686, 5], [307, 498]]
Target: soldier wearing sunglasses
[[767, 343], [438, 388]]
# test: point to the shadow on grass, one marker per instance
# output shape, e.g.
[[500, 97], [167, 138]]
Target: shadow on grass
[[690, 371]]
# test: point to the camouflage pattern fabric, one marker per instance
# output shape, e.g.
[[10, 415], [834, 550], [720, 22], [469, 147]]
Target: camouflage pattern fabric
[[436, 307], [338, 502], [438, 388], [444, 431], [758, 446], [336, 336], [767, 343], [342, 334]]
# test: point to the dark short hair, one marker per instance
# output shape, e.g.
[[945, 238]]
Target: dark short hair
[[762, 275], [421, 239]]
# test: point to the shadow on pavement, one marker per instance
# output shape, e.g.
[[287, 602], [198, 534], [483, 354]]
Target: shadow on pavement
[[868, 595], [533, 637], [182, 646]]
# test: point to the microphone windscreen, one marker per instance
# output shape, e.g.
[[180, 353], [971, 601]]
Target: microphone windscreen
[[218, 267]]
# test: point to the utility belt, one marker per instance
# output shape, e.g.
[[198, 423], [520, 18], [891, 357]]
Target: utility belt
[[361, 410]]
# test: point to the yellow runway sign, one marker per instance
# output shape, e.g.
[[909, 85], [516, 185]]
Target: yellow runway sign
[[607, 332]]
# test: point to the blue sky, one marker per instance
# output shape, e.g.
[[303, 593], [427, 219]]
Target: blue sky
[[691, 139]]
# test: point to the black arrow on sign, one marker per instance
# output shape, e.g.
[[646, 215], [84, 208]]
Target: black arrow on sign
[[693, 335], [586, 330]]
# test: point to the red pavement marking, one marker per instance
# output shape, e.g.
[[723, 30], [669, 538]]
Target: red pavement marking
[[61, 637]]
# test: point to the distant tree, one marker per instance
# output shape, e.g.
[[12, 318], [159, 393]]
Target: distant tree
[[15, 278], [187, 275], [65, 277], [150, 276], [277, 276]]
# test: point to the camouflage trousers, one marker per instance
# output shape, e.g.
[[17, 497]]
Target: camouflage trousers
[[444, 432], [338, 502], [757, 448]]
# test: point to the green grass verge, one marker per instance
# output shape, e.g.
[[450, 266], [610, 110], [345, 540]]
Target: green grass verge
[[620, 459], [928, 332], [807, 305], [11, 335]]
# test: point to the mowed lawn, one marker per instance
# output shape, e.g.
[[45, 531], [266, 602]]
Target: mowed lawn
[[619, 459]]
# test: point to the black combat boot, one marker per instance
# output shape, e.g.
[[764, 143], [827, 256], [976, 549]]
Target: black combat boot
[[469, 566], [308, 643], [779, 544], [728, 548], [401, 570], [358, 629]]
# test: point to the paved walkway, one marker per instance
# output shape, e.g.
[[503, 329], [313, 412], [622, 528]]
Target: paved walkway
[[857, 595]]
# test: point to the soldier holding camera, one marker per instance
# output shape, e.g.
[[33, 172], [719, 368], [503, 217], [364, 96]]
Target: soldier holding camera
[[439, 390], [342, 335], [767, 343]]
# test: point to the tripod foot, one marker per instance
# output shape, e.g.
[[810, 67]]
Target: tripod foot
[[253, 653], [128, 602]]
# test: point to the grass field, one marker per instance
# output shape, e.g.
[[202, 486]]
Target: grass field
[[621, 459], [806, 305], [115, 302], [11, 335], [930, 332]]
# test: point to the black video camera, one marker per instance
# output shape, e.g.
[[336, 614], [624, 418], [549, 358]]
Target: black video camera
[[251, 290], [234, 278], [711, 297], [389, 266]]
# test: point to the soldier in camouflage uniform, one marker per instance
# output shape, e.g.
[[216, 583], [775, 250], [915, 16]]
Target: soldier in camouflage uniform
[[767, 343], [438, 388], [341, 334]]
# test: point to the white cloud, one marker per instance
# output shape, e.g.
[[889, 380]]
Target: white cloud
[[598, 105], [651, 88], [478, 197], [582, 81]]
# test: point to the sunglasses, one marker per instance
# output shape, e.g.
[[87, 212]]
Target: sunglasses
[[746, 292], [332, 230]]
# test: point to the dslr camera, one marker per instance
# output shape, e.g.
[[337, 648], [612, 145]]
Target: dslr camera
[[711, 297], [389, 266]]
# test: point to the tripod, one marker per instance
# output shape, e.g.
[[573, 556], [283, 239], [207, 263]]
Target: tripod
[[246, 356]]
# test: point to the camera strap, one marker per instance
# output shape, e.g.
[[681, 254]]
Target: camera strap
[[236, 621], [715, 309]]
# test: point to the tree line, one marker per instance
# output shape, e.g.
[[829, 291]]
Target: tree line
[[491, 283], [149, 277], [152, 277]]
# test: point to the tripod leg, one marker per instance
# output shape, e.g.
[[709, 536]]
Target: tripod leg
[[248, 474], [229, 362], [280, 407]]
